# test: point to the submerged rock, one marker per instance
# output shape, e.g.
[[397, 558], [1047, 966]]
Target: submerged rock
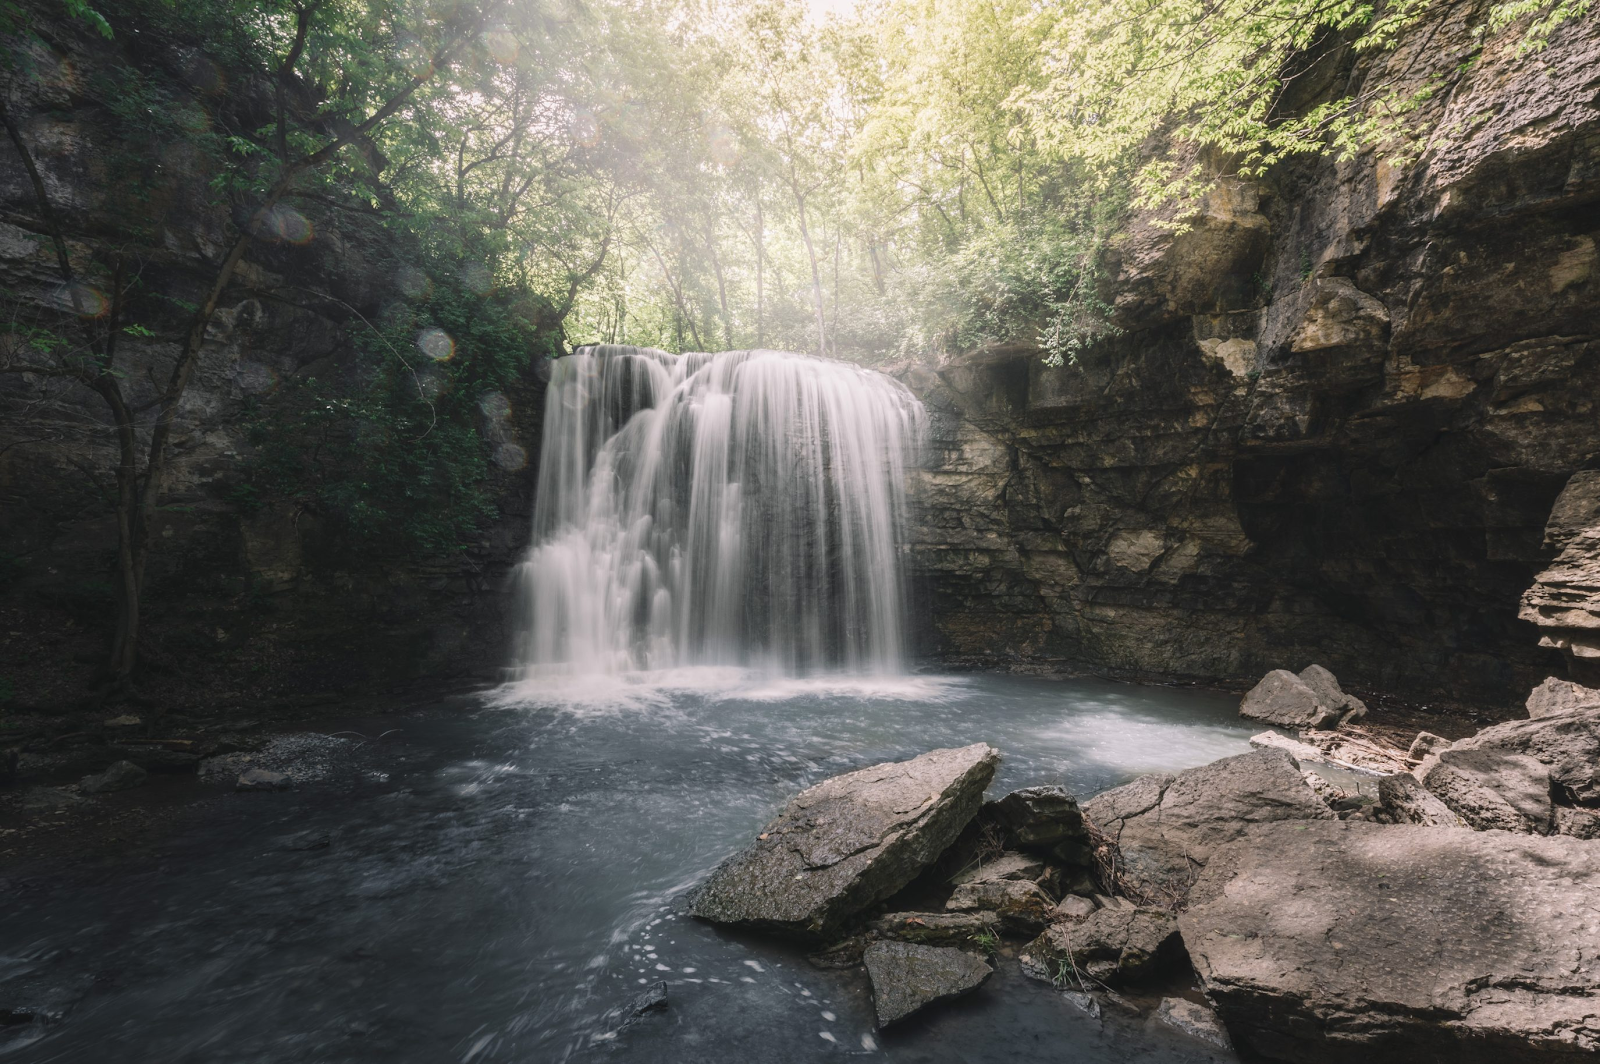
[[1120, 945], [651, 1000], [848, 843], [1311, 699], [1167, 826], [1568, 744], [260, 779], [1194, 1020], [1554, 697], [1491, 789], [119, 777], [907, 977], [1330, 942]]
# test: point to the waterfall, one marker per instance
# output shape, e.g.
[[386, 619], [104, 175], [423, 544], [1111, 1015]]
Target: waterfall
[[736, 509]]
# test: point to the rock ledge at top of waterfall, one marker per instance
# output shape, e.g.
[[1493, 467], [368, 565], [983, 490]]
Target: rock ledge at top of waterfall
[[848, 843]]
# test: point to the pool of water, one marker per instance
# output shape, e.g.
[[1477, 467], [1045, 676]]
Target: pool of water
[[508, 874]]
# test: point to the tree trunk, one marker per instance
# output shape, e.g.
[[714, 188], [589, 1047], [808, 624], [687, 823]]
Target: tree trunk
[[816, 276]]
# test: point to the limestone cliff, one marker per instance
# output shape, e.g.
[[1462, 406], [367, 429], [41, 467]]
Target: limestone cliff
[[1333, 426]]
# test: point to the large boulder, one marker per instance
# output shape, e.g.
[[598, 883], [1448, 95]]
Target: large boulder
[[907, 977], [1117, 945], [1491, 789], [1167, 826], [1567, 743], [1554, 697], [1312, 699], [848, 843], [1330, 942]]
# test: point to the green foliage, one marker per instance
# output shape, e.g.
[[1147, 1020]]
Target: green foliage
[[391, 455]]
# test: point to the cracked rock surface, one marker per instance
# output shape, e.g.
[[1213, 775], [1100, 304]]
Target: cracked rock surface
[[1333, 941]]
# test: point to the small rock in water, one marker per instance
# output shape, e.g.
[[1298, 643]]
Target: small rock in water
[[119, 777], [1194, 1020], [652, 1000], [260, 779], [907, 977], [1082, 1002]]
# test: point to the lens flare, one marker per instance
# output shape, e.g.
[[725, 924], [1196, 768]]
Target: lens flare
[[413, 283], [724, 146], [510, 457], [501, 44], [285, 225], [436, 344], [584, 128], [494, 405], [82, 300], [475, 277]]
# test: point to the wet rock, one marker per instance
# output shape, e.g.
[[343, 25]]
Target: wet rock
[[1006, 866], [971, 929], [1194, 1020], [1074, 908], [1082, 1002], [848, 843], [155, 757], [1020, 905], [1045, 820], [907, 977], [1403, 800], [119, 777], [1167, 826], [1427, 743], [1566, 743], [1491, 789], [1111, 946], [50, 799], [1328, 942], [261, 779], [652, 1000], [1554, 697]]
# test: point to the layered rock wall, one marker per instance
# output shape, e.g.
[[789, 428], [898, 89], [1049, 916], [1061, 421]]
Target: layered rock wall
[[1332, 428]]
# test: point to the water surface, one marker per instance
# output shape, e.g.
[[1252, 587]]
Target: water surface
[[496, 881]]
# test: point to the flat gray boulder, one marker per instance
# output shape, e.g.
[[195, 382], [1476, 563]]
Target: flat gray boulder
[[1327, 942], [1167, 826], [1554, 697], [908, 977], [1491, 788], [848, 843], [1567, 743], [1311, 699]]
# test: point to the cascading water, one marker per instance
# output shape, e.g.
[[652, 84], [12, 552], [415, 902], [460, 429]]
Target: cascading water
[[736, 509]]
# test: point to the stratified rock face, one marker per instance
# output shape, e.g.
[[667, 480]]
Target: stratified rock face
[[1119, 945], [1568, 744], [849, 842], [1168, 826], [907, 977], [1332, 942], [1335, 421], [1554, 697], [1492, 788], [1564, 600]]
